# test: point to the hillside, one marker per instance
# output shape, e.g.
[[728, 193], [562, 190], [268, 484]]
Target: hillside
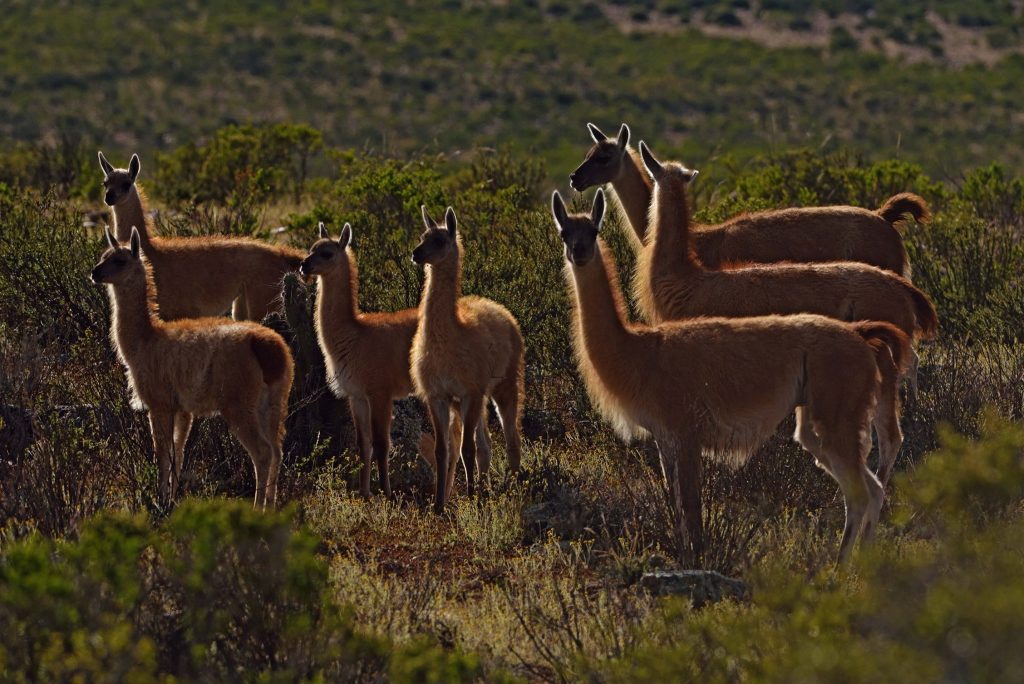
[[401, 77]]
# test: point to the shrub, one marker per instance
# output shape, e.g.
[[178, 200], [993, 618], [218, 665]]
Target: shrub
[[216, 593], [240, 164], [947, 606]]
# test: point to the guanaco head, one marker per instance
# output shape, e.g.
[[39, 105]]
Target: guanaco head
[[327, 254], [117, 183], [437, 242], [119, 264], [660, 172], [578, 231], [603, 161]]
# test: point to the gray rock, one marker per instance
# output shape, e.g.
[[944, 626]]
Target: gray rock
[[702, 586]]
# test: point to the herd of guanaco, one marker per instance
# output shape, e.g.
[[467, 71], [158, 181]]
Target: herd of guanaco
[[805, 309]]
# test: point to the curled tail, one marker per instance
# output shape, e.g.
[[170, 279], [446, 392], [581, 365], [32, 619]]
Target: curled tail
[[273, 355], [898, 206], [887, 338]]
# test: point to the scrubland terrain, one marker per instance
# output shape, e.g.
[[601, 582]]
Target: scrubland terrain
[[541, 578]]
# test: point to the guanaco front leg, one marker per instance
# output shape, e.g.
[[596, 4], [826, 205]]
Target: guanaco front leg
[[471, 408], [439, 418], [680, 462], [182, 427], [161, 424], [361, 417], [380, 421]]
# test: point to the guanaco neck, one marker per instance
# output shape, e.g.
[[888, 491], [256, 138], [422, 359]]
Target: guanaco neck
[[668, 254], [669, 239], [337, 306], [131, 211], [133, 316], [600, 312], [633, 189], [441, 293]]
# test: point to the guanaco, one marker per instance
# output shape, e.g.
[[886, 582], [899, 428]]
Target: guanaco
[[198, 276], [203, 366], [802, 234], [722, 385], [670, 281], [465, 350]]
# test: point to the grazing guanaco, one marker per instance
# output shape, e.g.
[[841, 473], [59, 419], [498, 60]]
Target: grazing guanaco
[[203, 366], [466, 349], [802, 234], [722, 385], [198, 276]]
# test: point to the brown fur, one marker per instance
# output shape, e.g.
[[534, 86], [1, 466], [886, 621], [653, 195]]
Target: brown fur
[[367, 354], [723, 385], [204, 366], [804, 234], [896, 208], [671, 283], [206, 276], [466, 349]]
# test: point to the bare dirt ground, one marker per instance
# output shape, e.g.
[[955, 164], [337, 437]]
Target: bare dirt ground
[[960, 46]]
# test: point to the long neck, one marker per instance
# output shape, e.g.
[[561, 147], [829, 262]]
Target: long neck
[[601, 329], [337, 307], [441, 293], [131, 211], [633, 188], [133, 319], [669, 239]]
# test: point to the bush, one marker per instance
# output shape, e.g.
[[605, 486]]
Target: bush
[[947, 606], [216, 593], [240, 164]]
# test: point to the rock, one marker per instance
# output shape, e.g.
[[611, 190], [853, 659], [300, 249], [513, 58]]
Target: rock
[[702, 586]]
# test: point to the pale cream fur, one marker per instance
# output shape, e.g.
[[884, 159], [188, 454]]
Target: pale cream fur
[[723, 385], [466, 349], [200, 276], [197, 367]]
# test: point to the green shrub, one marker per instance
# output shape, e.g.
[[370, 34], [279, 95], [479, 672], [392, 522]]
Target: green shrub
[[217, 593], [240, 164], [947, 606]]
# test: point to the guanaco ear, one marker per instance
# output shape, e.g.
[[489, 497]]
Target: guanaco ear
[[558, 210], [427, 221], [323, 231], [596, 133], [134, 166], [136, 242], [653, 165], [690, 174], [105, 165], [345, 239], [450, 221], [110, 238], [623, 139], [597, 211]]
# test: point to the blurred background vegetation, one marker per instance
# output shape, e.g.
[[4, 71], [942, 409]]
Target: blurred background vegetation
[[399, 77], [262, 119]]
